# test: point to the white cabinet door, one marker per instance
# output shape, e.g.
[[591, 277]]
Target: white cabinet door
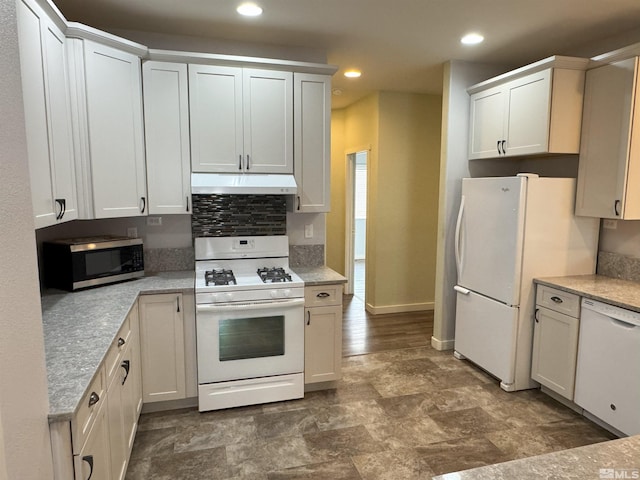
[[486, 124], [322, 344], [608, 170], [115, 131], [93, 461], [166, 122], [215, 108], [241, 120], [117, 446], [268, 121], [555, 348], [312, 141], [162, 347], [47, 116], [527, 115]]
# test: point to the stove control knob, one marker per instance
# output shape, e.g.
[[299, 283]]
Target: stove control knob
[[274, 293], [287, 293]]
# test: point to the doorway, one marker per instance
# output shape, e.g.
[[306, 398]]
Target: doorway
[[356, 216]]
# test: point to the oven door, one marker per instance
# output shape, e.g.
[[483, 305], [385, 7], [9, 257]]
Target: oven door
[[249, 340]]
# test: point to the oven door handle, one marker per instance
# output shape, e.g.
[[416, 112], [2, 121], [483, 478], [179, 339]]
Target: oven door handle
[[262, 305]]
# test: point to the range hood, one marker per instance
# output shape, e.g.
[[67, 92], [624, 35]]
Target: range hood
[[242, 184]]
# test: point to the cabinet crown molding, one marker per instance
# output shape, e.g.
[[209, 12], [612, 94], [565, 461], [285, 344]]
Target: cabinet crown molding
[[556, 61], [240, 61], [85, 32], [615, 55]]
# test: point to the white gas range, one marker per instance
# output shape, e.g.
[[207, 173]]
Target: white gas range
[[249, 321]]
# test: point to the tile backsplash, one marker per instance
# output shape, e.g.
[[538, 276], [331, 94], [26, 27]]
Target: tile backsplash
[[238, 215]]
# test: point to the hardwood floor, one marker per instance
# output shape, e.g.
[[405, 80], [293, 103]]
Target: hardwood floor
[[365, 333]]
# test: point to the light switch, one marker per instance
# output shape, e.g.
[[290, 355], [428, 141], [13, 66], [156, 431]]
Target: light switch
[[308, 230]]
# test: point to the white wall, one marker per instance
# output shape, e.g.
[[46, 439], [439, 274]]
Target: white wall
[[453, 167], [25, 450]]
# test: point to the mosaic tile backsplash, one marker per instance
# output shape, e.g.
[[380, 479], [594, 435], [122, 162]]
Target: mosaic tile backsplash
[[238, 215]]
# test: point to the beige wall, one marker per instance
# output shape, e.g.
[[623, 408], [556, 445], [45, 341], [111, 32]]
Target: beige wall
[[402, 132], [335, 219], [24, 429]]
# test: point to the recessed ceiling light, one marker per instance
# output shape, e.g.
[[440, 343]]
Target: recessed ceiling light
[[472, 39], [249, 10], [352, 73], [337, 92]]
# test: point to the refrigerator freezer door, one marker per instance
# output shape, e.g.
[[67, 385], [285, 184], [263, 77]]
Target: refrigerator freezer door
[[489, 236], [485, 333]]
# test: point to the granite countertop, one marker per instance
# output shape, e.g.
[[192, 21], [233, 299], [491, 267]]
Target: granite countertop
[[318, 275], [620, 457], [80, 326], [614, 291]]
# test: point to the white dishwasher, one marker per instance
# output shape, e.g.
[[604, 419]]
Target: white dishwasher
[[608, 368]]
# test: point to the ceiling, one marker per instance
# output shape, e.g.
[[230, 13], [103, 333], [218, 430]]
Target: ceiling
[[400, 45]]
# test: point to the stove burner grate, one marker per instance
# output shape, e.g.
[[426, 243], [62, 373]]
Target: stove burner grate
[[273, 275], [219, 277]]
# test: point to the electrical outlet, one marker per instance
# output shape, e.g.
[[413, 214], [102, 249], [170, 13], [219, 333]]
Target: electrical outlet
[[132, 232], [154, 221], [609, 223], [308, 230]]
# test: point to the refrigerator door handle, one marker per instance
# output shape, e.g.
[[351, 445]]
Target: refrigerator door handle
[[459, 258], [462, 290]]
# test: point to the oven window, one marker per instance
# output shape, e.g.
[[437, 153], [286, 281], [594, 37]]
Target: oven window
[[257, 337]]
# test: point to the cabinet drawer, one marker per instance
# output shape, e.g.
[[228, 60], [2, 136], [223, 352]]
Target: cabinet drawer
[[558, 300], [323, 295], [117, 348], [88, 409]]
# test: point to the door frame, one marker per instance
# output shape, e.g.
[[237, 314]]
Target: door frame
[[349, 230]]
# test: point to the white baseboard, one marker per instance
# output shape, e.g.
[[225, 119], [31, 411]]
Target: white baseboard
[[409, 307], [441, 344]]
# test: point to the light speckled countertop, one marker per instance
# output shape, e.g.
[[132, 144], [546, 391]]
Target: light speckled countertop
[[318, 275], [80, 326], [614, 291], [582, 463]]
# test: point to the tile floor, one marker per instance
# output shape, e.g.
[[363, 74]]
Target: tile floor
[[408, 413]]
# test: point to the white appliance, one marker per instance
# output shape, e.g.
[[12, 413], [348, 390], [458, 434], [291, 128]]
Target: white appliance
[[510, 230], [608, 367], [249, 322]]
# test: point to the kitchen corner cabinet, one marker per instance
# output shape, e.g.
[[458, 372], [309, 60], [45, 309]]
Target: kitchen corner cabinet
[[162, 347], [106, 87], [609, 167], [166, 131], [555, 340], [97, 442], [538, 113], [241, 120], [323, 333], [312, 141], [47, 116]]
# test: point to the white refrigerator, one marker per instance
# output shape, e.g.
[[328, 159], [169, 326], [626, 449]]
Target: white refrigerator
[[510, 230]]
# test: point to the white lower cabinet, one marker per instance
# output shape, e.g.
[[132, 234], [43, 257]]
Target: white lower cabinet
[[162, 347], [323, 333], [92, 461], [555, 340]]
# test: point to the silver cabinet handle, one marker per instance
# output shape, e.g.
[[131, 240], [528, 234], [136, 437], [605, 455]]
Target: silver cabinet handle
[[93, 399]]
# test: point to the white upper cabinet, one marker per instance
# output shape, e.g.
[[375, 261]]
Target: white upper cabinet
[[166, 122], [47, 116], [312, 141], [107, 100], [241, 120], [609, 167], [524, 113]]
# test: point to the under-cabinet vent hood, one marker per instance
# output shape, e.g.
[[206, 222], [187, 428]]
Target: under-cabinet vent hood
[[242, 184]]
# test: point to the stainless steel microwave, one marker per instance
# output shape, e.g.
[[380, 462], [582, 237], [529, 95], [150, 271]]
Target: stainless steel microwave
[[75, 263]]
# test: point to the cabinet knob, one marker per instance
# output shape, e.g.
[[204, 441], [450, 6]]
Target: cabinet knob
[[556, 299], [613, 407], [121, 342], [93, 399]]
